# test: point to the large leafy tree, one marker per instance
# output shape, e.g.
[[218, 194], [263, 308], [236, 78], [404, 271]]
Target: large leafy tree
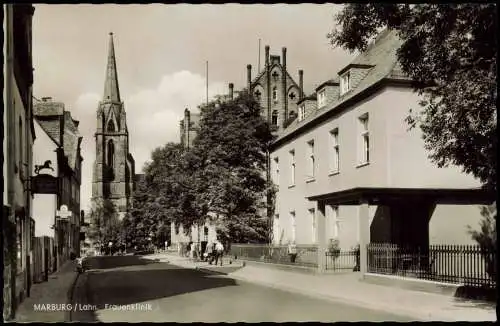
[[105, 225], [228, 161], [158, 198], [450, 51]]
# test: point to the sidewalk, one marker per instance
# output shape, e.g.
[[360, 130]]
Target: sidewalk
[[347, 288], [55, 291]]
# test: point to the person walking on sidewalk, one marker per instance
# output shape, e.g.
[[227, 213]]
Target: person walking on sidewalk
[[219, 252], [208, 253], [292, 251]]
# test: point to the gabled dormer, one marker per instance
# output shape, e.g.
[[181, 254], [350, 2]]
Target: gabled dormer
[[327, 93], [351, 75], [306, 106]]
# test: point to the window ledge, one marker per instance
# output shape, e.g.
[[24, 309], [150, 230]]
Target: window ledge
[[291, 186], [310, 180], [332, 173], [360, 165]]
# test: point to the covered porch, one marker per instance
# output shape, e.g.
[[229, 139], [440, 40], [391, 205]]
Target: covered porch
[[402, 215]]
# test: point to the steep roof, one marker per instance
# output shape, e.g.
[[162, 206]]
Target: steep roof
[[381, 55], [111, 88], [60, 127]]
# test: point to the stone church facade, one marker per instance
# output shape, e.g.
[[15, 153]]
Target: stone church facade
[[114, 167]]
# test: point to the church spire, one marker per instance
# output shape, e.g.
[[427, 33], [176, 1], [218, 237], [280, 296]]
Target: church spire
[[111, 89]]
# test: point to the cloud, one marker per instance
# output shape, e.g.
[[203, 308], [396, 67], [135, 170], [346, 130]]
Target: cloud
[[153, 117]]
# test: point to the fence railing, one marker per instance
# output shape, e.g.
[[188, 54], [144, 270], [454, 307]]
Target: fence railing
[[307, 255], [343, 260], [459, 264]]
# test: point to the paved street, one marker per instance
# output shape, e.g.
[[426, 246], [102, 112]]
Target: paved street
[[177, 294]]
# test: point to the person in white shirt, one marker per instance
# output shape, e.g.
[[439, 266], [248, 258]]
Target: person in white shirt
[[219, 252]]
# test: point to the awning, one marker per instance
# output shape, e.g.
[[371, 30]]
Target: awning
[[378, 196]]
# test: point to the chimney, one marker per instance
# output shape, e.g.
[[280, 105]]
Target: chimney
[[267, 55], [187, 124], [231, 86], [249, 78], [301, 83]]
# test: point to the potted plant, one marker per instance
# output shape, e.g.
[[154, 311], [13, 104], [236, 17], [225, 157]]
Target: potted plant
[[334, 248]]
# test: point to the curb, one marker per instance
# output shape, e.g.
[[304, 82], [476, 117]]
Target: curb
[[69, 298], [315, 295]]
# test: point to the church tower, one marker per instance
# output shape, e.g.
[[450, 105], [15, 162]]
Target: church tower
[[114, 170]]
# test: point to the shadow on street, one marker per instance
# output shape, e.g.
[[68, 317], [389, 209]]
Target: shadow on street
[[122, 286], [107, 262]]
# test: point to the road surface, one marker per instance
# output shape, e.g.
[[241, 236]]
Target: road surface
[[132, 289]]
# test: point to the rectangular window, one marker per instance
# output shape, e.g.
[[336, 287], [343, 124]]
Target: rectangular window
[[312, 217], [344, 83], [293, 225], [335, 221], [321, 99], [310, 158], [292, 167], [276, 172], [302, 112], [335, 151], [364, 140]]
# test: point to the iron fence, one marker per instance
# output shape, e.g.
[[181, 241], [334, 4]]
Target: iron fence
[[459, 264], [307, 255], [342, 260]]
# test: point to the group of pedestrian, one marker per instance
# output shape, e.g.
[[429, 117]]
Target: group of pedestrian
[[214, 252]]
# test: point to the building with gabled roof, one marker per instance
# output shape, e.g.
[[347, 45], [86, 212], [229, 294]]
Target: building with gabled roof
[[349, 169], [59, 142]]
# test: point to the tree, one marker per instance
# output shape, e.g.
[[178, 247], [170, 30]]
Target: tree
[[486, 237], [449, 51], [228, 161], [105, 225]]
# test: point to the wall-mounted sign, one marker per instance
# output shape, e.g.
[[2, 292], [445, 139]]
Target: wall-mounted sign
[[44, 184], [63, 212], [47, 165]]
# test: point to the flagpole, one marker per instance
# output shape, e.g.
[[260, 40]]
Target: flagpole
[[258, 71], [207, 82]]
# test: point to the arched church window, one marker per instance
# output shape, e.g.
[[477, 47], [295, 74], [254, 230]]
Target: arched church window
[[111, 126], [274, 118], [275, 94], [111, 153]]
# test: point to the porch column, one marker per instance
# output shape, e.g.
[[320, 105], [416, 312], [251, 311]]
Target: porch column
[[364, 235], [320, 235]]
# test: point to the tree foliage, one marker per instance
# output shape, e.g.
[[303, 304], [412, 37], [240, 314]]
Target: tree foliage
[[486, 237], [450, 51], [105, 225], [228, 160]]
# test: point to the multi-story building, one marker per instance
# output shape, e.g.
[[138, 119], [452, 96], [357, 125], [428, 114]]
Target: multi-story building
[[19, 135], [349, 167], [56, 123], [276, 91]]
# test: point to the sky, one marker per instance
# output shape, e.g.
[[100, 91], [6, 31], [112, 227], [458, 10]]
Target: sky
[[161, 54]]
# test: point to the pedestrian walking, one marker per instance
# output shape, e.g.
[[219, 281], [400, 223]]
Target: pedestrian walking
[[219, 252], [292, 251], [208, 253]]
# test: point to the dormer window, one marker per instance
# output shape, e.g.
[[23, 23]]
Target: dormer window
[[321, 98], [302, 112], [345, 83]]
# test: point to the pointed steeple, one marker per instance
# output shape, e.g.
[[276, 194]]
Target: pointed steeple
[[111, 89]]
